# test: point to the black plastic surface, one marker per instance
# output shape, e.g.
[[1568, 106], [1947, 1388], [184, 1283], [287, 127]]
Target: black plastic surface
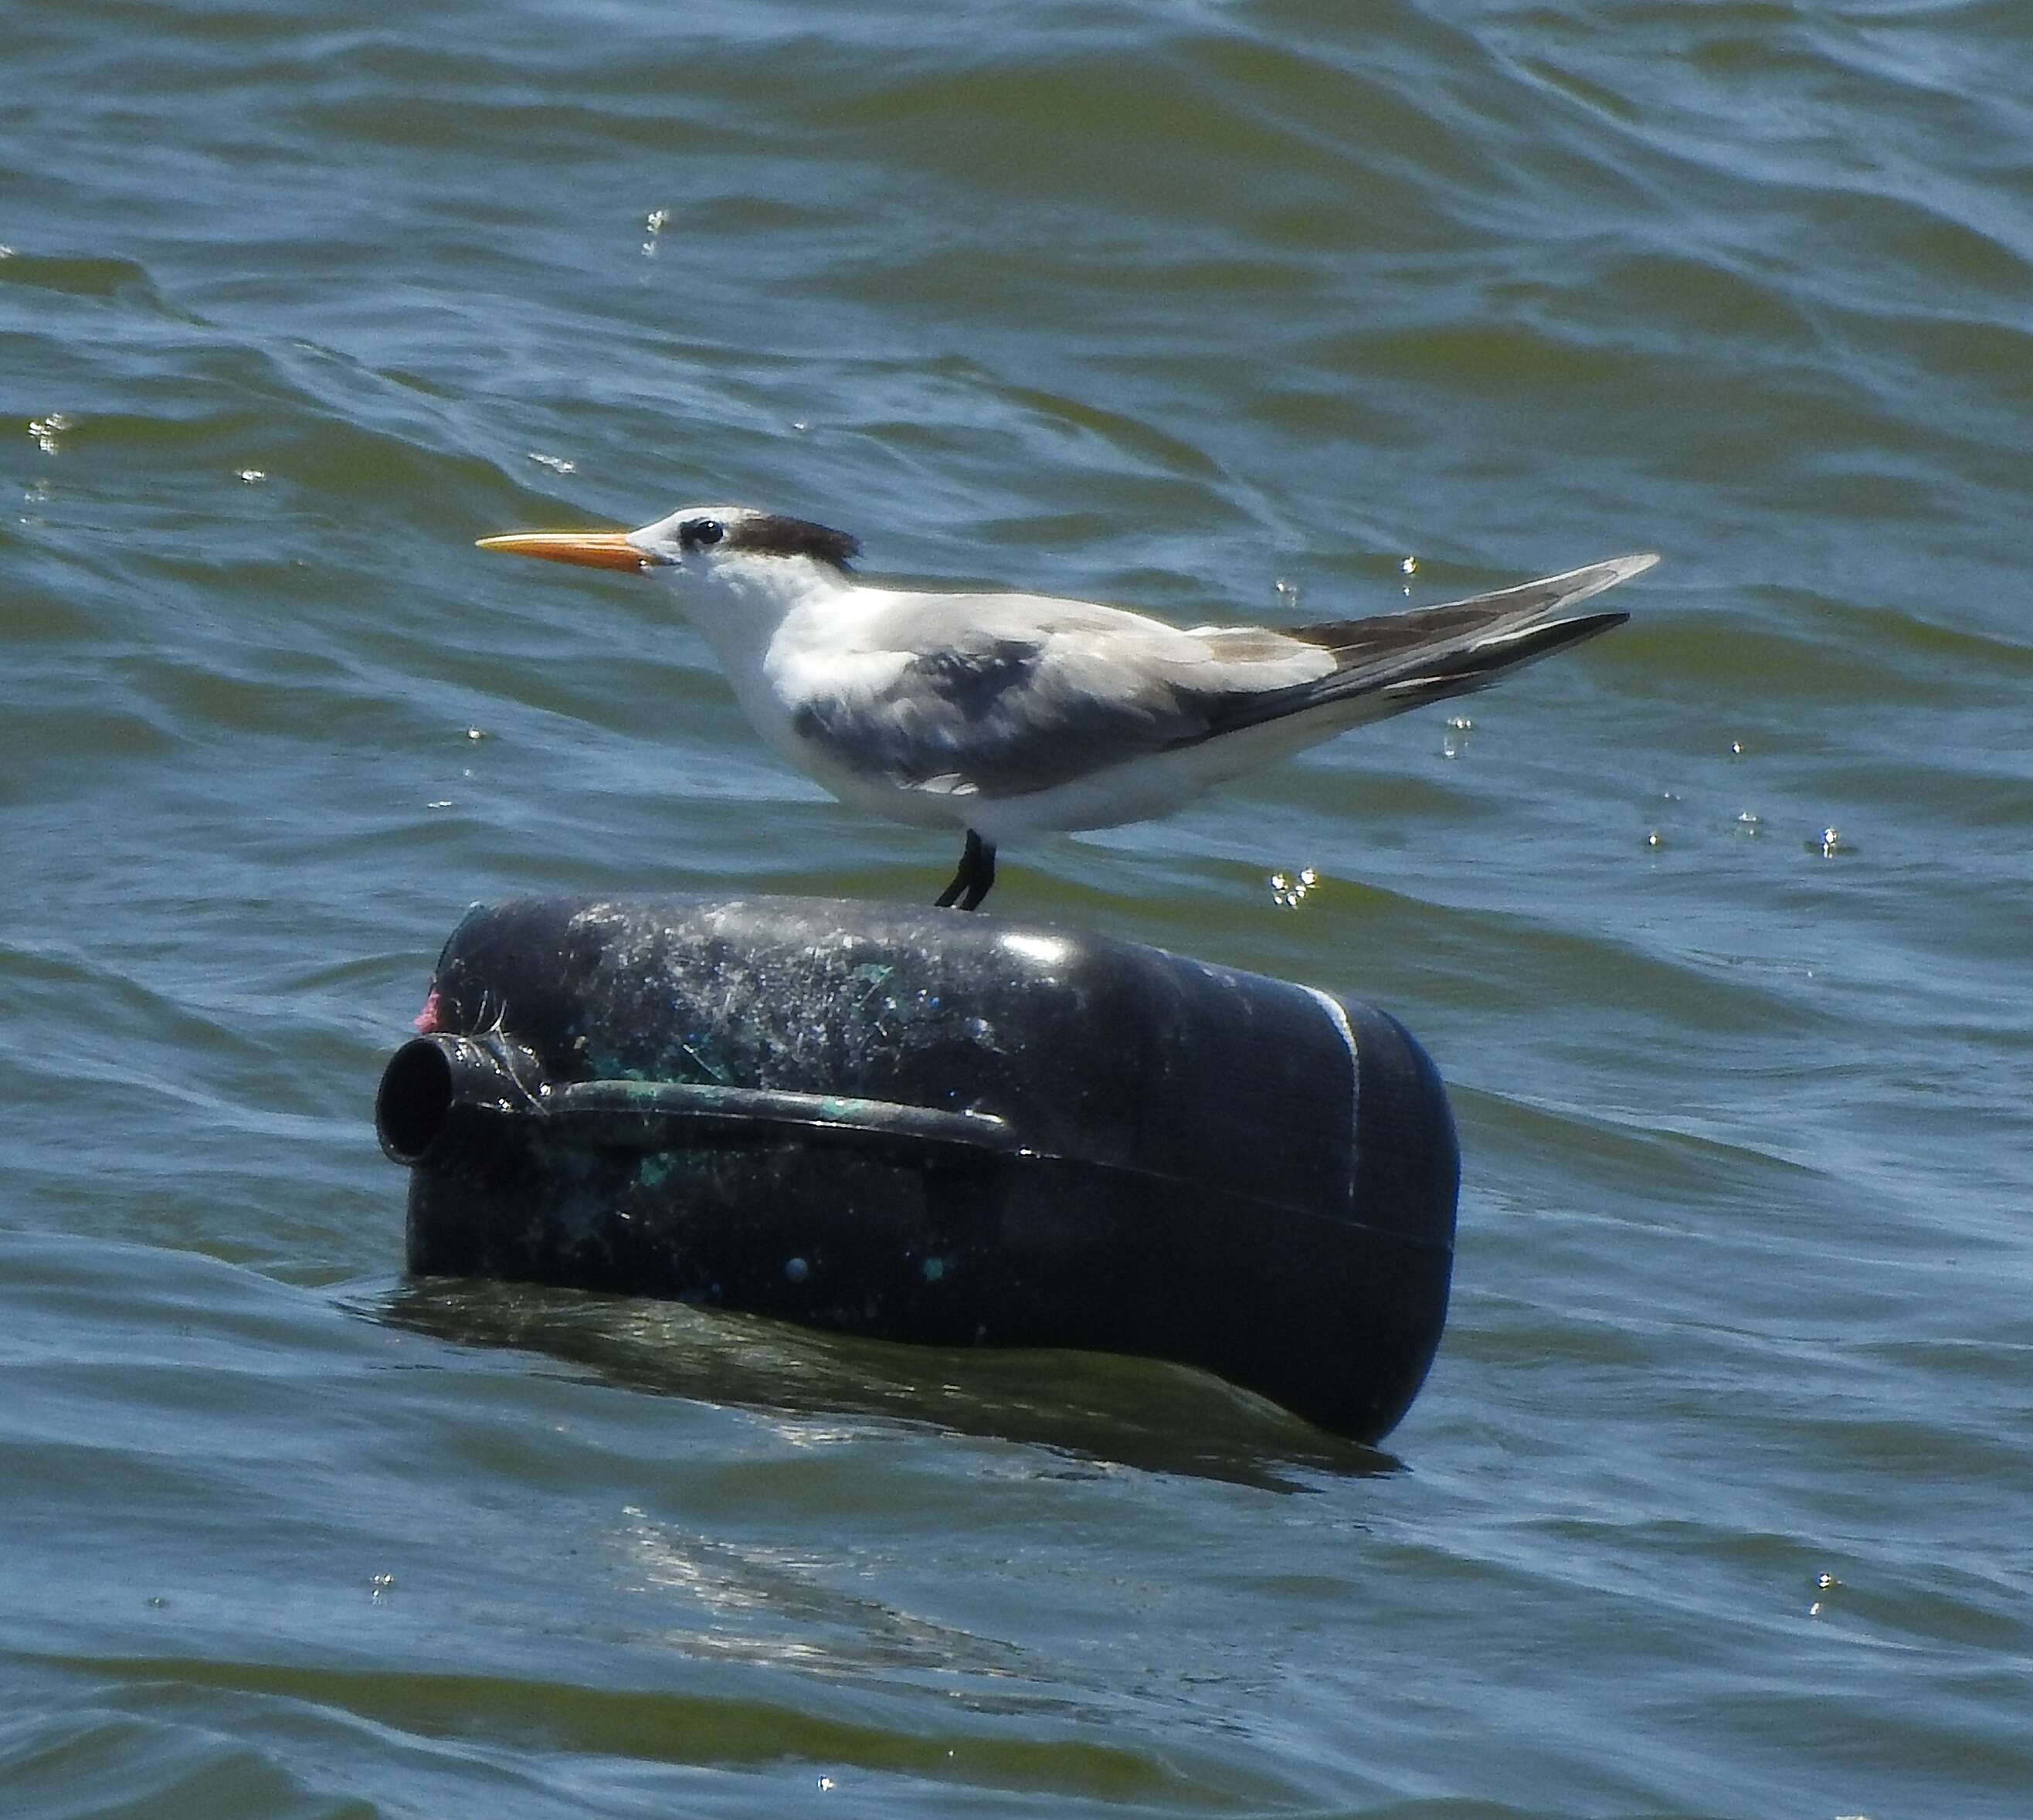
[[926, 1127]]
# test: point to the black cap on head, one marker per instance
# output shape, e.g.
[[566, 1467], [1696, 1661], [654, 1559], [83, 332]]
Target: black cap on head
[[772, 534]]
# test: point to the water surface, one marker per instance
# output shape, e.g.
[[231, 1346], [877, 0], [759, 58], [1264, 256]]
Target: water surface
[[1716, 1502]]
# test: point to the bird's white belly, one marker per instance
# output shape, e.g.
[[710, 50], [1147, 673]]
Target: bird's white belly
[[1143, 789], [1139, 790]]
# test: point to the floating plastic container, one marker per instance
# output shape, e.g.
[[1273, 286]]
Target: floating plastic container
[[928, 1127]]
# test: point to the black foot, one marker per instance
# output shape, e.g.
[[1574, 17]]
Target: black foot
[[975, 879]]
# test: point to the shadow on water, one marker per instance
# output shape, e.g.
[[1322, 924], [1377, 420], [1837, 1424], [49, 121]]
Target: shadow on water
[[1137, 1413]]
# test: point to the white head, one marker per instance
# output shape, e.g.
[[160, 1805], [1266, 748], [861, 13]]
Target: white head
[[726, 562]]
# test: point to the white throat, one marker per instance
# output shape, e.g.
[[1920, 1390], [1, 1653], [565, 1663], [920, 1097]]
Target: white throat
[[740, 605]]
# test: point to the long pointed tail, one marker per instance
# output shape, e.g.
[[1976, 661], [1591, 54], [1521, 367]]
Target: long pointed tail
[[1402, 661]]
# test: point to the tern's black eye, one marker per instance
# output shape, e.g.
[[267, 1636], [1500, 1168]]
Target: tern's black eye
[[698, 533]]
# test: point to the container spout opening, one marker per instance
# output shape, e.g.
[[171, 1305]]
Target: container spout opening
[[434, 1086], [413, 1104]]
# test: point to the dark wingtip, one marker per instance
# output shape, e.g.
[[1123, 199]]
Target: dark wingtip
[[1481, 664], [1562, 633], [1535, 642]]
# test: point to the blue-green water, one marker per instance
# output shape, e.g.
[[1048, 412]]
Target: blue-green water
[[1716, 1502]]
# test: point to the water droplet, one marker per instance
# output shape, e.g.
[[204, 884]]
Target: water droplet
[[1289, 890]]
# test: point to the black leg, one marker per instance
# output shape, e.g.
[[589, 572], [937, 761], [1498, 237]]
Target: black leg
[[984, 875], [974, 878], [964, 877]]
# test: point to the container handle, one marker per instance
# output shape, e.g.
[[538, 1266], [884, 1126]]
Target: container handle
[[436, 1088]]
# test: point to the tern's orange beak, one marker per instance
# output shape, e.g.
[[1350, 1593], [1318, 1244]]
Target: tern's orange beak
[[594, 549]]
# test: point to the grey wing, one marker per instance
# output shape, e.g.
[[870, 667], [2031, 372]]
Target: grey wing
[[1009, 694], [1012, 707], [1401, 660]]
